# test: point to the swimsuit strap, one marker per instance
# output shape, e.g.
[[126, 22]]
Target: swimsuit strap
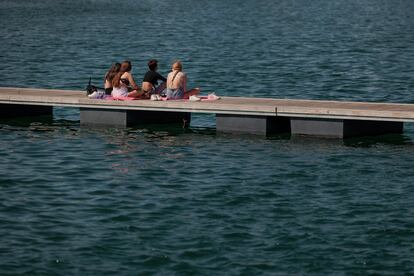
[[125, 81], [172, 81]]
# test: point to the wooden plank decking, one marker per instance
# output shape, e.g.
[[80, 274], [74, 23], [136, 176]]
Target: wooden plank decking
[[226, 105]]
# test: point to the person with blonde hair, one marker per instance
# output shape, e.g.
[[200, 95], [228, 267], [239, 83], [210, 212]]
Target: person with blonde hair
[[123, 80], [177, 83]]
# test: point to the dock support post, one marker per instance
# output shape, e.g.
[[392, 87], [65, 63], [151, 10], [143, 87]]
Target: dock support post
[[21, 110], [126, 118], [261, 125], [343, 128]]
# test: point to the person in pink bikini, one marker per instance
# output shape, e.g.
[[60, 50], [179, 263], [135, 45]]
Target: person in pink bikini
[[123, 80]]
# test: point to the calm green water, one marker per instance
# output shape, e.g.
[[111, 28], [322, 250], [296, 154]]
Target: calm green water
[[163, 200]]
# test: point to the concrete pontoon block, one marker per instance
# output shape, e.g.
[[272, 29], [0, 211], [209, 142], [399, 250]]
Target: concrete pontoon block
[[260, 125], [343, 128], [19, 110], [126, 118], [317, 127], [354, 128]]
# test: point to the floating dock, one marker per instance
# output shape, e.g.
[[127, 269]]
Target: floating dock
[[263, 116]]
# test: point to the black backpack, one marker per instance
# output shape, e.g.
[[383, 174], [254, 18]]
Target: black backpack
[[90, 88]]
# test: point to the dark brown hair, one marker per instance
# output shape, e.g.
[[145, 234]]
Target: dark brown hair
[[125, 67], [112, 71], [152, 64]]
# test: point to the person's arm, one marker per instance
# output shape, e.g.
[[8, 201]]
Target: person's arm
[[184, 76], [160, 77], [132, 82]]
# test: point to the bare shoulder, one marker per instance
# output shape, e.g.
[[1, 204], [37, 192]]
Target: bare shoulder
[[128, 75], [181, 75]]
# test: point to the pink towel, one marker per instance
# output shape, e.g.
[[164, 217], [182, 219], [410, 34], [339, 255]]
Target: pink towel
[[111, 98], [203, 98]]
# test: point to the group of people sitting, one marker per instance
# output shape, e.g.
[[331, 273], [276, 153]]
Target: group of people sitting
[[119, 82]]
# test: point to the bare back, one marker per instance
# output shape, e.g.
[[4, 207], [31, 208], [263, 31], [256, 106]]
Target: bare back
[[128, 76], [176, 79]]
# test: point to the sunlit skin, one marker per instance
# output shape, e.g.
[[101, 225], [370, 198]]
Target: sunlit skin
[[180, 80]]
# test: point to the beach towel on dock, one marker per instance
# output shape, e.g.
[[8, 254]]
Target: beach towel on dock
[[210, 97], [111, 98]]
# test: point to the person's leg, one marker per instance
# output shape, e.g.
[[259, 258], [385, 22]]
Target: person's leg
[[160, 88], [136, 94], [191, 92], [108, 90]]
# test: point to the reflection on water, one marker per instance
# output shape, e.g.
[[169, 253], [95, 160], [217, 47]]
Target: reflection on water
[[167, 200]]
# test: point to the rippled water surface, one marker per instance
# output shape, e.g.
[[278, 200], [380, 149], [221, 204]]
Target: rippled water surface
[[163, 200]]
